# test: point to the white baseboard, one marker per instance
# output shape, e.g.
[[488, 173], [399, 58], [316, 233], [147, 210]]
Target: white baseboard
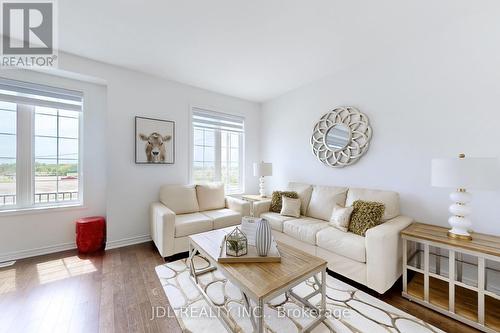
[[127, 241], [9, 256], [7, 263], [16, 255]]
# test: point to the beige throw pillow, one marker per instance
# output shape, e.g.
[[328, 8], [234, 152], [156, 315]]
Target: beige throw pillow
[[304, 191], [390, 200], [341, 217], [290, 207], [323, 199], [276, 199], [210, 196], [181, 199]]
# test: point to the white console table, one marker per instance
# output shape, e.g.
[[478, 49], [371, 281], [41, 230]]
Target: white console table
[[458, 278]]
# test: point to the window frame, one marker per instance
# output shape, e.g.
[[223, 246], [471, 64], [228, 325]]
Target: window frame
[[217, 148], [25, 165]]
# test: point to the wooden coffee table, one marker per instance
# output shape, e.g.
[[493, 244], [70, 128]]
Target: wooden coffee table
[[261, 282]]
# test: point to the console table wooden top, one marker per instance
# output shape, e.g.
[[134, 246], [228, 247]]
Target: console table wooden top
[[254, 197], [480, 242]]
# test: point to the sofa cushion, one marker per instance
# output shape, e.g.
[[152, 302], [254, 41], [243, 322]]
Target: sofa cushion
[[181, 199], [323, 199], [189, 224], [304, 191], [346, 244], [210, 196], [276, 220], [304, 229], [277, 199], [389, 198], [223, 217]]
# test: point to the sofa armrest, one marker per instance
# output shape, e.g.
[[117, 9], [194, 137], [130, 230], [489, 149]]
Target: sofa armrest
[[162, 221], [384, 253], [261, 207], [238, 205]]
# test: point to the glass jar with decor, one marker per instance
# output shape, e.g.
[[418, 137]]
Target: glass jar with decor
[[236, 243]]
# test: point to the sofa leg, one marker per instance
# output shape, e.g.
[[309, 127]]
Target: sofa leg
[[176, 256], [355, 284], [170, 258]]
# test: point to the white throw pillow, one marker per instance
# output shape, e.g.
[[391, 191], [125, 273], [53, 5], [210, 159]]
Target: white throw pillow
[[341, 217], [290, 207]]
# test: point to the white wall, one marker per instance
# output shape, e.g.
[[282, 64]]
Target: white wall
[[130, 188], [31, 233], [433, 97]]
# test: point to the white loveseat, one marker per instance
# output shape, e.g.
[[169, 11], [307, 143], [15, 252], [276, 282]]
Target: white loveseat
[[373, 260], [185, 210]]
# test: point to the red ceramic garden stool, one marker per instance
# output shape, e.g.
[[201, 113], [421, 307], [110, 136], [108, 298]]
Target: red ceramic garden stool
[[91, 234]]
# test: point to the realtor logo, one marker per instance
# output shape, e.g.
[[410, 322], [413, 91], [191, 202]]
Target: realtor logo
[[28, 33]]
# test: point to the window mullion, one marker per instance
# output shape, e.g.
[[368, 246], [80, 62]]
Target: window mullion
[[218, 142], [57, 159], [24, 168], [229, 160], [228, 156], [241, 163]]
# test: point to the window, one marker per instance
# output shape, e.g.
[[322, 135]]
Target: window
[[217, 151], [39, 145]]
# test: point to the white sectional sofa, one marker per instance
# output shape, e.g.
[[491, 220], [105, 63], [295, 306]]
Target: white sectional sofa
[[373, 260], [185, 210]]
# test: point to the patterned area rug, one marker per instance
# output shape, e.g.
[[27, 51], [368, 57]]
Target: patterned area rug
[[349, 309]]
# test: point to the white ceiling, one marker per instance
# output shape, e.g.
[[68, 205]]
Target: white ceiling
[[253, 49]]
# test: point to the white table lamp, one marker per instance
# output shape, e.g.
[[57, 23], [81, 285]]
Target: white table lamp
[[464, 173], [262, 170]]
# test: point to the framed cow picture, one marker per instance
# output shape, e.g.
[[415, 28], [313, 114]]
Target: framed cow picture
[[154, 141]]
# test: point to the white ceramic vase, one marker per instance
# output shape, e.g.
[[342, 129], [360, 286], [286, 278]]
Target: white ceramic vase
[[263, 237]]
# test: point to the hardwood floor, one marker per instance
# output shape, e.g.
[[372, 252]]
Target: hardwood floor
[[107, 292], [393, 297], [114, 291]]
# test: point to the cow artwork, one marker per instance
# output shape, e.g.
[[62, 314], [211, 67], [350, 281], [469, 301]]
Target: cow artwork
[[155, 147], [154, 141]]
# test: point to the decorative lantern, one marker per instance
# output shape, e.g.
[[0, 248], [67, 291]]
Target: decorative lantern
[[236, 243]]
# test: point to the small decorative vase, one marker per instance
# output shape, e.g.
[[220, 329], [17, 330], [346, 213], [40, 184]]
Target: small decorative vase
[[263, 237]]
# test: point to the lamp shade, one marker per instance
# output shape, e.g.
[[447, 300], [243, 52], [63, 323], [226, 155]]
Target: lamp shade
[[262, 169], [468, 173]]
